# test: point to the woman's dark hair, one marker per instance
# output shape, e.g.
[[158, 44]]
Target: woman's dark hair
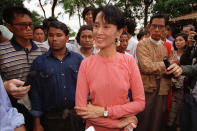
[[111, 14], [85, 11], [59, 25], [82, 28], [182, 35], [8, 13]]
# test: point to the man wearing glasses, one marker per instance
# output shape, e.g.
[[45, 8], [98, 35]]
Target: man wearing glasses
[[16, 57], [150, 53]]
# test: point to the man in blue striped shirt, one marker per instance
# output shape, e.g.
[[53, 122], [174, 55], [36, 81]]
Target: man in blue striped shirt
[[16, 57]]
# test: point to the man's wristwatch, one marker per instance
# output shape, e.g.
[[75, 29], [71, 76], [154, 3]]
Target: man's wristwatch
[[105, 114]]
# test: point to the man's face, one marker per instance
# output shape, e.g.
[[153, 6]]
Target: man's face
[[39, 35], [157, 28], [57, 39], [186, 30], [22, 26], [86, 39]]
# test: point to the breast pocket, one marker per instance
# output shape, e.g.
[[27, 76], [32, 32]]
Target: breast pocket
[[74, 71], [47, 78]]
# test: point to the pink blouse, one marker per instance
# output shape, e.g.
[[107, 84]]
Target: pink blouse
[[108, 80]]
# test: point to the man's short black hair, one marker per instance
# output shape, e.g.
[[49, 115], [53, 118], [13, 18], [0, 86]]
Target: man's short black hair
[[82, 28], [38, 27], [131, 25], [8, 13], [159, 16], [85, 11], [111, 14], [47, 21], [59, 25]]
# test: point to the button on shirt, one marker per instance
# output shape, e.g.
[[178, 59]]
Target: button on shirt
[[55, 84]]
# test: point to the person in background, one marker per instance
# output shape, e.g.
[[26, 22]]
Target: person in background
[[123, 43], [187, 28], [178, 84], [45, 25], [107, 76], [189, 103], [150, 53], [53, 90], [16, 56], [169, 37], [141, 35], [132, 43], [85, 40], [38, 34], [87, 15]]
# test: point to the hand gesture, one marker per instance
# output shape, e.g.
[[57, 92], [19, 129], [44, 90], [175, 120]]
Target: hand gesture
[[15, 88]]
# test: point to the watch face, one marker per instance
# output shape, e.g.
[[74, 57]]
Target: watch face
[[105, 113]]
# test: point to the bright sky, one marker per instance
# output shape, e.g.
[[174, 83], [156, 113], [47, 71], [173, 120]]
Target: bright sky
[[72, 22]]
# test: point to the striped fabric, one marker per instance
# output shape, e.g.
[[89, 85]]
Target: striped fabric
[[16, 64], [15, 61]]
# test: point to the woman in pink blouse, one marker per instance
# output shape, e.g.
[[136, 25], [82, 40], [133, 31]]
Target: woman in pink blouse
[[107, 76]]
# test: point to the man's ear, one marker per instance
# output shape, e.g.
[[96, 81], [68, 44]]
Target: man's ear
[[9, 26], [67, 38]]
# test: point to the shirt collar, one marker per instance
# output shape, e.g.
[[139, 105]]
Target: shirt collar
[[50, 53], [18, 47], [155, 42]]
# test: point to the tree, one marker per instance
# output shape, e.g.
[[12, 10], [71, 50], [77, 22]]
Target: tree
[[9, 3], [36, 18], [173, 8]]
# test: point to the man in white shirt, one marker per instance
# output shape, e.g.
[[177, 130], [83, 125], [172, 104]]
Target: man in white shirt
[[132, 43]]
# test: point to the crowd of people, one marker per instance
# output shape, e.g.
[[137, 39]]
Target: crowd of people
[[107, 79]]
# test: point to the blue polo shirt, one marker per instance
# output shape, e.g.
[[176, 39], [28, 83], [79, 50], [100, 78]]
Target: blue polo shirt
[[53, 90]]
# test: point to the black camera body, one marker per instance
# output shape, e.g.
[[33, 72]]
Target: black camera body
[[166, 62]]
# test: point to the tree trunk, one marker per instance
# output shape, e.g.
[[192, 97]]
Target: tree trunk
[[42, 8], [53, 8], [147, 3], [78, 12], [145, 15]]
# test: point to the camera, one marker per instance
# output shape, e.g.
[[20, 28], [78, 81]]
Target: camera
[[166, 62]]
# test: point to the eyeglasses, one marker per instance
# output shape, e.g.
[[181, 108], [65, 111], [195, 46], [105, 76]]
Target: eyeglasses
[[157, 26], [25, 25]]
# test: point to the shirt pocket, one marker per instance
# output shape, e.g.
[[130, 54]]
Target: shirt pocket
[[48, 80], [74, 71]]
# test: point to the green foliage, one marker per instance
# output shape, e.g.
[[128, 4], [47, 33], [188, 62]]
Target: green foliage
[[173, 8], [36, 18], [9, 3]]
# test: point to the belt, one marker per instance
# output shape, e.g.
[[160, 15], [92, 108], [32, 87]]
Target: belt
[[59, 115]]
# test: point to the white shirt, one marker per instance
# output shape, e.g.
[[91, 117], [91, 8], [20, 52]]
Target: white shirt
[[131, 48]]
